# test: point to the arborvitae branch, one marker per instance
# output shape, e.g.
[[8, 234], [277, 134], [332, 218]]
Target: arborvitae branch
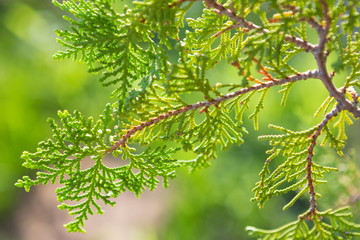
[[309, 159], [131, 49], [326, 78], [317, 50], [214, 102], [221, 10]]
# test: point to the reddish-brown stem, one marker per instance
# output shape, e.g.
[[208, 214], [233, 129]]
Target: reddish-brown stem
[[317, 50], [263, 71], [221, 10], [320, 57], [206, 104], [311, 21], [310, 180]]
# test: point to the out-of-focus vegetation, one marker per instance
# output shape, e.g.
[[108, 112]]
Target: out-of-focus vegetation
[[211, 204]]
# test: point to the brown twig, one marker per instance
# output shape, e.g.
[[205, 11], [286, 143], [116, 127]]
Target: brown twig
[[320, 56], [221, 10], [206, 104], [311, 21], [330, 115], [317, 50]]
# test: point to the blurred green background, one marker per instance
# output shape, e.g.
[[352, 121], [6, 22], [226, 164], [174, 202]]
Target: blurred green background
[[213, 203]]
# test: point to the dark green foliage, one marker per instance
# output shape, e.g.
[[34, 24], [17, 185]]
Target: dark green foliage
[[151, 119]]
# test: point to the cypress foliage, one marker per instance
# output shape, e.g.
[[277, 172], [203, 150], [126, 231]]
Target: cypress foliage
[[129, 48]]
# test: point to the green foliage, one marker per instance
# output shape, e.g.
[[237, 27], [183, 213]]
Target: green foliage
[[336, 226], [151, 119], [74, 157], [293, 171]]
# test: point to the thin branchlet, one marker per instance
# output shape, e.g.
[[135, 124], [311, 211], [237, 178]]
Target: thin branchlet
[[320, 56], [241, 22], [221, 10], [317, 50], [311, 21], [216, 101], [309, 159]]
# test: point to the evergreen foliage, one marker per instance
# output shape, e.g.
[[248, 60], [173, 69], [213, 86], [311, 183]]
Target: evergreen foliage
[[149, 113]]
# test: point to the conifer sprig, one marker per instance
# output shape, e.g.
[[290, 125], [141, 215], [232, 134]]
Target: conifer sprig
[[130, 49], [309, 159], [213, 102], [240, 21]]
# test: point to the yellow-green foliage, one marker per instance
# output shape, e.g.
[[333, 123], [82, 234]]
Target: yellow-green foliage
[[149, 120]]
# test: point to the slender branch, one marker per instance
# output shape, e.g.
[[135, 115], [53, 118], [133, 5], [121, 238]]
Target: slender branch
[[326, 15], [314, 24], [311, 21], [299, 42], [333, 113], [317, 50], [324, 31], [325, 77], [320, 54], [221, 10], [206, 104]]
